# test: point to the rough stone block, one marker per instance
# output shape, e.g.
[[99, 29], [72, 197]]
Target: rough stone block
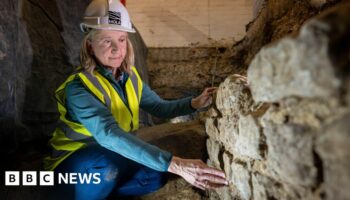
[[211, 129], [213, 149], [334, 150], [259, 191], [227, 158], [268, 188], [223, 193], [228, 129], [248, 139], [233, 97], [289, 157], [305, 66], [240, 178]]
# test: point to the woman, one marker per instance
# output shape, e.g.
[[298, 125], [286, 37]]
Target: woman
[[99, 111]]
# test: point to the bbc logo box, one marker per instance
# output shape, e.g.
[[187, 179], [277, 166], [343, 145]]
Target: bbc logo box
[[29, 178], [11, 178]]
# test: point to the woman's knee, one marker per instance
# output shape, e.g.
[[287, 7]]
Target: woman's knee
[[108, 176], [101, 172]]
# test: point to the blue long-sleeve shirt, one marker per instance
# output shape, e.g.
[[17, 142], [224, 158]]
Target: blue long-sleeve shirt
[[84, 108]]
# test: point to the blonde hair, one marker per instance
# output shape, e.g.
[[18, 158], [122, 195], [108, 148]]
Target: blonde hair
[[88, 62]]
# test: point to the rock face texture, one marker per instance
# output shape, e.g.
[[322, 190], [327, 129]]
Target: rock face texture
[[285, 136]]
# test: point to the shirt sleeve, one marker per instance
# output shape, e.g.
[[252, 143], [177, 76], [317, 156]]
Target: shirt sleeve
[[159, 107], [84, 108]]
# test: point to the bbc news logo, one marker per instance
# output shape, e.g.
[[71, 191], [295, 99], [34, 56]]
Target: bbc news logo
[[13, 178], [46, 178]]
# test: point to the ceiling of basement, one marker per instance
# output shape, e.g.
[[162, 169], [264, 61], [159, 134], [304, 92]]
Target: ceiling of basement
[[182, 23]]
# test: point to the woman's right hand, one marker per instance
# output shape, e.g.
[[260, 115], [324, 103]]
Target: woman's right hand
[[197, 173]]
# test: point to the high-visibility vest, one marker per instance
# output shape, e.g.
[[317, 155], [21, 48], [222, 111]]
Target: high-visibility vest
[[70, 136]]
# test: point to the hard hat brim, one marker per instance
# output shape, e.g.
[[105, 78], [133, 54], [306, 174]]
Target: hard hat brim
[[110, 27]]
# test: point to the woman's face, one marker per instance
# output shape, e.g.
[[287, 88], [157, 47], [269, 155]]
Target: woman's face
[[109, 47]]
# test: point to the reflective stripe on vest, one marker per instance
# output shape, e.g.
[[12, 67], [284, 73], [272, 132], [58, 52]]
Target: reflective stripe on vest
[[70, 136], [127, 116], [98, 85]]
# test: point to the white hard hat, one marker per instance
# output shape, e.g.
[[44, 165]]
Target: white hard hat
[[107, 15]]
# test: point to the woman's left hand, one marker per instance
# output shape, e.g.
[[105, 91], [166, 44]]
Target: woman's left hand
[[205, 99]]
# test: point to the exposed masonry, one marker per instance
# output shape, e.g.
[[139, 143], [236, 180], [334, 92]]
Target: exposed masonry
[[285, 136]]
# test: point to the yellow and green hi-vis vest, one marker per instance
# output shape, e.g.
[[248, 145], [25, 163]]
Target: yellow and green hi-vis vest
[[70, 136]]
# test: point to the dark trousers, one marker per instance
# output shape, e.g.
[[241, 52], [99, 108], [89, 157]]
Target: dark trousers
[[119, 176]]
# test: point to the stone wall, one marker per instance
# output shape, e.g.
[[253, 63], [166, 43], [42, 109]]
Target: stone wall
[[286, 135]]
